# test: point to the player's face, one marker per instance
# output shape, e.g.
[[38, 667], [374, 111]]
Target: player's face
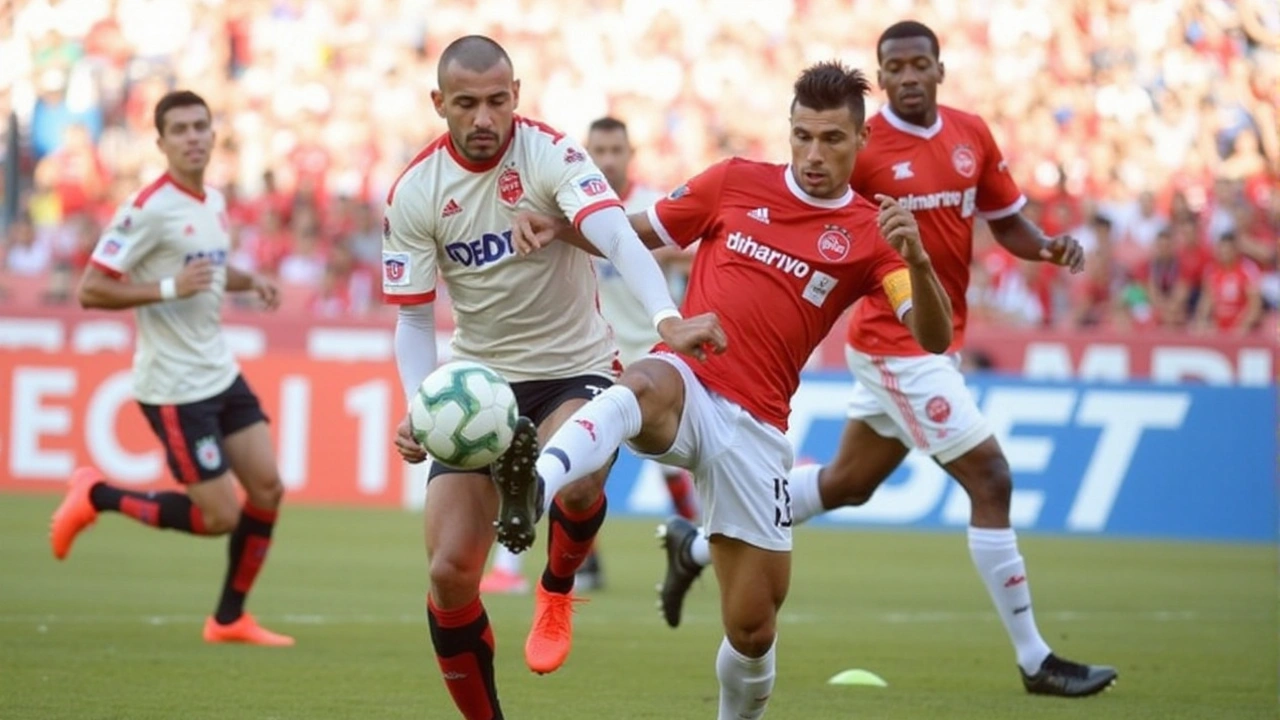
[[187, 139], [611, 152], [824, 144], [479, 108], [910, 74]]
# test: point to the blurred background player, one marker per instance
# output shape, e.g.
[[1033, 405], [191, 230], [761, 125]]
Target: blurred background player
[[944, 165], [785, 250], [610, 148], [532, 319], [165, 257]]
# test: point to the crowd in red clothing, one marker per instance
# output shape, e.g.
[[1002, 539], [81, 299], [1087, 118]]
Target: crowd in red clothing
[[1147, 128]]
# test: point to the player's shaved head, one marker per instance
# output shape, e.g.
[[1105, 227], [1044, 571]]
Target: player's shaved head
[[476, 53], [905, 30], [829, 85]]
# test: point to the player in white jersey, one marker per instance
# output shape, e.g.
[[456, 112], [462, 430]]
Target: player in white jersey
[[610, 148], [533, 319], [165, 257]]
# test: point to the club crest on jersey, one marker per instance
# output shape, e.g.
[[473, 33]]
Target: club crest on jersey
[[395, 268], [111, 247], [593, 185], [510, 188], [964, 161], [573, 156], [207, 453], [834, 243]]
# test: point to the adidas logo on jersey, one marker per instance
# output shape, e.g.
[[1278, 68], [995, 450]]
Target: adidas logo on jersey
[[760, 214], [451, 208]]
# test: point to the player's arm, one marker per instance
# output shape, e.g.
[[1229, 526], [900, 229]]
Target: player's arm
[[240, 281], [533, 231], [130, 238], [916, 293], [1021, 237]]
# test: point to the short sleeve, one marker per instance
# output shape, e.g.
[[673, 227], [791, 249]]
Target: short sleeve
[[889, 275], [408, 254], [128, 239], [578, 186], [998, 194], [688, 213]]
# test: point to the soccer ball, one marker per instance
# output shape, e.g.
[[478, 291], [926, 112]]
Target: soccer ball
[[463, 415]]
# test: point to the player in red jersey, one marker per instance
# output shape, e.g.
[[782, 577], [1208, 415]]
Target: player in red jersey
[[785, 250], [943, 165]]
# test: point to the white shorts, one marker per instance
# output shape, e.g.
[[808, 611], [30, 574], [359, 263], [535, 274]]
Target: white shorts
[[739, 464], [920, 400]]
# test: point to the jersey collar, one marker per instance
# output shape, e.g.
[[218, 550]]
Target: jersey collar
[[487, 165], [808, 199], [906, 127]]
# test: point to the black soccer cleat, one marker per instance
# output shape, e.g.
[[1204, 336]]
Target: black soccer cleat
[[1064, 678], [520, 490], [676, 537]]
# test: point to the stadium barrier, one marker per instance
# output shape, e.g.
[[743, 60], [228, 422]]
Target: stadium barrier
[[1133, 459]]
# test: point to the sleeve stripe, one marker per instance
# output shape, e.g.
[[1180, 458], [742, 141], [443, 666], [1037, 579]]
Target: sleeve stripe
[[409, 298], [106, 269], [1006, 211], [593, 208], [658, 227]]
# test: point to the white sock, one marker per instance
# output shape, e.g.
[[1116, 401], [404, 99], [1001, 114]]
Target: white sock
[[586, 441], [745, 683], [995, 554], [806, 501], [507, 561], [701, 549]]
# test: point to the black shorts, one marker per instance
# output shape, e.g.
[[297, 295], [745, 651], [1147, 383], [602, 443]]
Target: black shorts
[[192, 433], [537, 400]]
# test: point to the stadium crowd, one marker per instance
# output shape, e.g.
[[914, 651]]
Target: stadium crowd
[[1147, 128]]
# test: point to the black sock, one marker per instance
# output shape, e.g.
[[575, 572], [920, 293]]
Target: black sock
[[167, 510], [246, 551], [463, 640], [570, 543]]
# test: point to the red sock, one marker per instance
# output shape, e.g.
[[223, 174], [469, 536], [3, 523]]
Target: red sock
[[464, 646], [680, 485], [246, 551], [164, 510], [572, 535]]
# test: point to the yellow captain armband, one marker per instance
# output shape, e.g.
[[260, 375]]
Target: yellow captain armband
[[897, 287]]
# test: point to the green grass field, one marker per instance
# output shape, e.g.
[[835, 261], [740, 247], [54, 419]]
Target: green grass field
[[115, 631]]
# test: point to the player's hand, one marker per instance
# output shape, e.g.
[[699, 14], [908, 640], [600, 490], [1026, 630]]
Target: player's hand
[[408, 448], [196, 276], [898, 226], [531, 231], [695, 335], [267, 292], [1066, 251]]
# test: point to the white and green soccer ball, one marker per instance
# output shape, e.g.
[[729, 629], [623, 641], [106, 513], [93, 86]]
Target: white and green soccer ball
[[463, 415]]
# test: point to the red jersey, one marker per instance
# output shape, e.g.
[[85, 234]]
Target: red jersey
[[779, 267], [1229, 287], [947, 175]]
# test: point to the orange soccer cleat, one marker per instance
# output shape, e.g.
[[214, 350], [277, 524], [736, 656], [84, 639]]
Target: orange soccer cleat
[[75, 513], [503, 582], [244, 630], [551, 636]]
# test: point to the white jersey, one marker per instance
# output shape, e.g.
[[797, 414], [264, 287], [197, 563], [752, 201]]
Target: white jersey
[[181, 355], [632, 327], [532, 317]]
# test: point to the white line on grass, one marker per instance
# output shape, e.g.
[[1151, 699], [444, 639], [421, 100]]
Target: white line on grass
[[590, 618]]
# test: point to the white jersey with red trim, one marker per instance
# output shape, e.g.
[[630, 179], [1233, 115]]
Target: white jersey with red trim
[[532, 317], [632, 327], [181, 355]]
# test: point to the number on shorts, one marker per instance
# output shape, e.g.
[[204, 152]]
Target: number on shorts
[[782, 494]]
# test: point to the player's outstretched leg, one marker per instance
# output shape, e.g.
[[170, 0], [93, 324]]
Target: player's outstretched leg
[[993, 545], [252, 457], [89, 493], [572, 535], [520, 490], [676, 537]]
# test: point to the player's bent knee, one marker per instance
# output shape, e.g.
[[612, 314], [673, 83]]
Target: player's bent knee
[[581, 494], [220, 519], [454, 576], [845, 485], [985, 475], [752, 640], [266, 494]]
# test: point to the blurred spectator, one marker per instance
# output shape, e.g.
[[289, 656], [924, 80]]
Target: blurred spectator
[[1162, 281], [1149, 114], [1231, 300]]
